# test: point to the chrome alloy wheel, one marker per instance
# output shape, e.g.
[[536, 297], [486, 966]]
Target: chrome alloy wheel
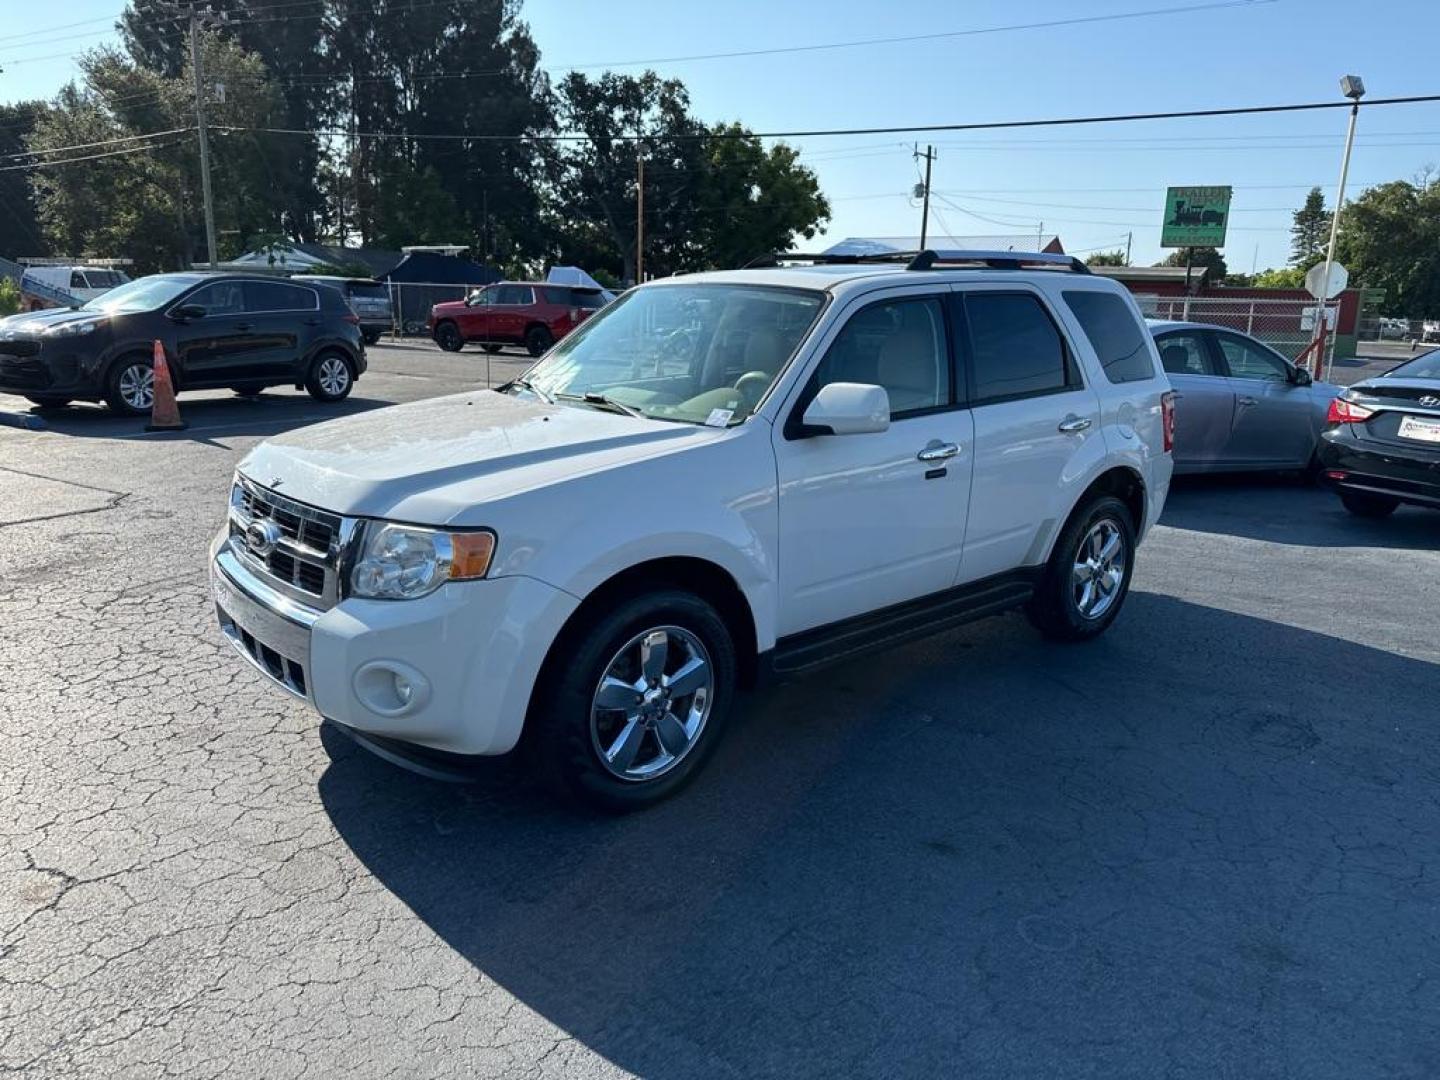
[[1099, 569], [137, 387], [333, 376], [651, 704]]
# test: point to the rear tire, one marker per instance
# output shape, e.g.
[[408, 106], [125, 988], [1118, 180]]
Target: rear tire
[[538, 340], [130, 386], [1368, 506], [331, 377], [47, 401], [653, 741], [1085, 583], [448, 337]]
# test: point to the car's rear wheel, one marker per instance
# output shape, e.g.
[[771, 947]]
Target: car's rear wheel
[[1364, 505], [130, 386], [630, 705], [48, 401], [448, 337], [1088, 576], [538, 340], [331, 377]]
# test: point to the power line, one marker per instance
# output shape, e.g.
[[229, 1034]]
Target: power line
[[92, 145], [89, 157]]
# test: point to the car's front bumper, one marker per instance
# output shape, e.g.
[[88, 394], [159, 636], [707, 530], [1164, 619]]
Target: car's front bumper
[[471, 652], [1411, 474], [36, 367]]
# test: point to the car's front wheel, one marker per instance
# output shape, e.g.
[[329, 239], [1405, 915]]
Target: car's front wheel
[[330, 378], [633, 702], [1368, 506], [448, 337], [1088, 575], [130, 386]]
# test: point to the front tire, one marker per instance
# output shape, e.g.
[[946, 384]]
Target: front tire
[[538, 340], [1368, 506], [331, 377], [130, 386], [632, 704], [1088, 577], [448, 337]]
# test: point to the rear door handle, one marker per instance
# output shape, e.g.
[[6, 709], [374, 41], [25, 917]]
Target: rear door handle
[[1071, 424], [936, 450], [1249, 401]]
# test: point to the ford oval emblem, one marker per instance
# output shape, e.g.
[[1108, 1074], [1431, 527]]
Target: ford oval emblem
[[261, 537]]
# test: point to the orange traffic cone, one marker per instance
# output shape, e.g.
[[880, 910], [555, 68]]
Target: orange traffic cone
[[164, 413]]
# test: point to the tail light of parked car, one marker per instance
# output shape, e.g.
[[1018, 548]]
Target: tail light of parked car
[[1347, 412], [1167, 418]]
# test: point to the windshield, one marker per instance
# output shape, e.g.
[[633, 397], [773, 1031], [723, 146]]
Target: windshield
[[366, 291], [1426, 366], [147, 294], [704, 354], [105, 279]]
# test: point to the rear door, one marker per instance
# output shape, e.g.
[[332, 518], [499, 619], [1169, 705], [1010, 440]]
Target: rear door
[[1204, 398], [1032, 414], [1274, 417], [281, 315]]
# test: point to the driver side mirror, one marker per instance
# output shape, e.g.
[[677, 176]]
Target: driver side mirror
[[186, 312], [848, 409], [1300, 377]]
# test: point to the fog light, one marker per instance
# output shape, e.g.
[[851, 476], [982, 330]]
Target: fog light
[[391, 688]]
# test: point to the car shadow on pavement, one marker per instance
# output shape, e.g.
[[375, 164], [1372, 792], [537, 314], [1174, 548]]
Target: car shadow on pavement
[[980, 855], [1285, 510], [228, 415]]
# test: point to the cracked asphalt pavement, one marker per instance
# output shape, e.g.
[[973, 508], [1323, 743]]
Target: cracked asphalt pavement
[[1204, 846]]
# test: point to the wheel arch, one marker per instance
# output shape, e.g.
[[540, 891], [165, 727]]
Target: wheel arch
[[1122, 481]]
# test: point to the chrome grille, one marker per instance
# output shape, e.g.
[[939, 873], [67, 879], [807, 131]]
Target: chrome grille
[[305, 562]]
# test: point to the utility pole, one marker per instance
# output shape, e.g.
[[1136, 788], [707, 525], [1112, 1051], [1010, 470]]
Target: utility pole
[[1353, 88], [929, 157], [205, 190], [1129, 239], [639, 212]]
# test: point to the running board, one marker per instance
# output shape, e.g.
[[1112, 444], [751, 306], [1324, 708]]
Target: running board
[[811, 649]]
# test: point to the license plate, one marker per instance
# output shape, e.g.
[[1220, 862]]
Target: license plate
[[1420, 428]]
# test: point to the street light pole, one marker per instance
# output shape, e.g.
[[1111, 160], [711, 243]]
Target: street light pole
[[1354, 88]]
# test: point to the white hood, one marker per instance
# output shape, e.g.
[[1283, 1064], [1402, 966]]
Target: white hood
[[432, 462]]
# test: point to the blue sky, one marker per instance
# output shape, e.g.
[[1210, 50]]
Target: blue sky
[[1092, 185]]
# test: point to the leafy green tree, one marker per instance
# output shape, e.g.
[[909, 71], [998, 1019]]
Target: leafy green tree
[[20, 233], [9, 297], [1287, 277], [1390, 239], [1105, 258], [1310, 232], [1202, 257]]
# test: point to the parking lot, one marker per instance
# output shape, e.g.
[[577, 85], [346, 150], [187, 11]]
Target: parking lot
[[1204, 845]]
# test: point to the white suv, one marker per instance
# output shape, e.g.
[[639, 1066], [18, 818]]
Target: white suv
[[718, 477]]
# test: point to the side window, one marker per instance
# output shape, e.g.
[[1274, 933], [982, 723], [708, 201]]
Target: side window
[[1247, 361], [1184, 354], [897, 344], [1117, 336], [483, 297], [219, 298], [514, 294], [1016, 349], [77, 280], [276, 296]]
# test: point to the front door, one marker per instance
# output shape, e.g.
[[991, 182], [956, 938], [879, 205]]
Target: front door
[[864, 521], [211, 347], [511, 313], [1204, 398], [1274, 418], [475, 322], [1033, 414]]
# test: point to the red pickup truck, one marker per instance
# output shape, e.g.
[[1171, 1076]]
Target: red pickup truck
[[533, 314]]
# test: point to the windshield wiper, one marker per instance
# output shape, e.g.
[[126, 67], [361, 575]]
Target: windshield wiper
[[590, 397], [526, 384]]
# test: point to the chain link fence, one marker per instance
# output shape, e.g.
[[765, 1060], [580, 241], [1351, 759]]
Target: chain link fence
[[411, 301], [1287, 326]]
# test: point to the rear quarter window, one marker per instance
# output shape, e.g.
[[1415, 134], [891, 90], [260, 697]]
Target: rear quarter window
[[1119, 340]]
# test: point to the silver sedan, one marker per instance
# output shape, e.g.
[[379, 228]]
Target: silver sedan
[[1240, 405]]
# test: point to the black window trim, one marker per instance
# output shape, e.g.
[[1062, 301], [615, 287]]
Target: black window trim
[[1074, 377], [795, 427]]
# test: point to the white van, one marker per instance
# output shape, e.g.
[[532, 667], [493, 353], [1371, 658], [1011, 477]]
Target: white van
[[67, 286]]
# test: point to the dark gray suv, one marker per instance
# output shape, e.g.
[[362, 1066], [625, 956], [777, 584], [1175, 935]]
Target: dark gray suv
[[219, 330]]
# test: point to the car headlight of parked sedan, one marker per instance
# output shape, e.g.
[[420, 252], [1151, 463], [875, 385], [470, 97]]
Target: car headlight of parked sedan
[[405, 562], [74, 329]]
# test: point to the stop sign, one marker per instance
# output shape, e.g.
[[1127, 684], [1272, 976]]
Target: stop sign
[[1315, 281]]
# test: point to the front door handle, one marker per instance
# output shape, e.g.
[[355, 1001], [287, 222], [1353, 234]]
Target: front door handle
[[1071, 424], [242, 326], [936, 450], [1249, 401]]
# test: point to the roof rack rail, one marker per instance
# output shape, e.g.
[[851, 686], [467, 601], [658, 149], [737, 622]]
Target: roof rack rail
[[930, 259]]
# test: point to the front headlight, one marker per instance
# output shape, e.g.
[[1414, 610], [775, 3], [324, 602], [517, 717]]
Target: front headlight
[[74, 329], [402, 562]]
